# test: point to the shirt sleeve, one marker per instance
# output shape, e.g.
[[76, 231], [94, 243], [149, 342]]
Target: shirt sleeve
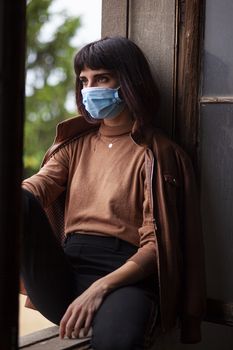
[[146, 255], [51, 180]]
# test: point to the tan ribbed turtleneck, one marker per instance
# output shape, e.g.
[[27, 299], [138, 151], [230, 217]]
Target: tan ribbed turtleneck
[[104, 175]]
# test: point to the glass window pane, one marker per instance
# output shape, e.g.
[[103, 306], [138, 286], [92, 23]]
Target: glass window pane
[[217, 194], [218, 49]]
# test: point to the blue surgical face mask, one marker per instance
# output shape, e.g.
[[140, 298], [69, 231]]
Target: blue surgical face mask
[[102, 103]]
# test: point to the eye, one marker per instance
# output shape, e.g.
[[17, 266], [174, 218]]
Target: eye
[[83, 81], [102, 79]]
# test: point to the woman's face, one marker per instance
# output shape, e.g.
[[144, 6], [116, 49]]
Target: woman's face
[[98, 78]]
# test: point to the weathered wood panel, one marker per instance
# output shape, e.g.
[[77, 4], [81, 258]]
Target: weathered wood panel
[[48, 339], [12, 43], [114, 17], [36, 337]]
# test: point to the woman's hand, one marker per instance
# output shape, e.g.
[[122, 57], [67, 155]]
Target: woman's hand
[[81, 311]]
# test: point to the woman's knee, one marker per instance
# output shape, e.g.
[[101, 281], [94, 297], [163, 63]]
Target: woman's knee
[[126, 340], [121, 322]]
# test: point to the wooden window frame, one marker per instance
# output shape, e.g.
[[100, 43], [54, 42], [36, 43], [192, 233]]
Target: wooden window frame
[[190, 40]]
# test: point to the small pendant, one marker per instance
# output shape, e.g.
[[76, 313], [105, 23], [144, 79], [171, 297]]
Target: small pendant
[[110, 145]]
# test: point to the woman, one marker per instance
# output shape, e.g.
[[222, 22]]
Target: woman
[[132, 228]]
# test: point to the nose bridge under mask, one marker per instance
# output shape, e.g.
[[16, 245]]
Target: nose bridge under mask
[[100, 92], [101, 102]]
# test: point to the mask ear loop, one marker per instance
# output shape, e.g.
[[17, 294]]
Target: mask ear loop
[[119, 94]]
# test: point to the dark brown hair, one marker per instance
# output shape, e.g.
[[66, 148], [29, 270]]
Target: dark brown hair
[[125, 58]]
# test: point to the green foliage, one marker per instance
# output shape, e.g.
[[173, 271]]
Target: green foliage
[[50, 78]]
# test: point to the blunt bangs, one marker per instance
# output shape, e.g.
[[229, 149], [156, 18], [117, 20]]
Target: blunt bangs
[[94, 56]]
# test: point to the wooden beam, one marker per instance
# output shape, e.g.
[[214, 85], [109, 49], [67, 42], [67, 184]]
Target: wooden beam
[[216, 99], [12, 62], [190, 28]]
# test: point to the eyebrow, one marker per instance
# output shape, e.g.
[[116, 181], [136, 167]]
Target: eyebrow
[[97, 75]]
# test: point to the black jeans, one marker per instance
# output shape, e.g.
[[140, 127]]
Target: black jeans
[[54, 276]]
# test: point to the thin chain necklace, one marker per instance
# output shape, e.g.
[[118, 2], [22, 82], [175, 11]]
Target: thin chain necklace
[[107, 142]]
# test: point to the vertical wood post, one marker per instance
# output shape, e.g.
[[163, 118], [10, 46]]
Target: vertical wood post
[[190, 27], [12, 62]]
